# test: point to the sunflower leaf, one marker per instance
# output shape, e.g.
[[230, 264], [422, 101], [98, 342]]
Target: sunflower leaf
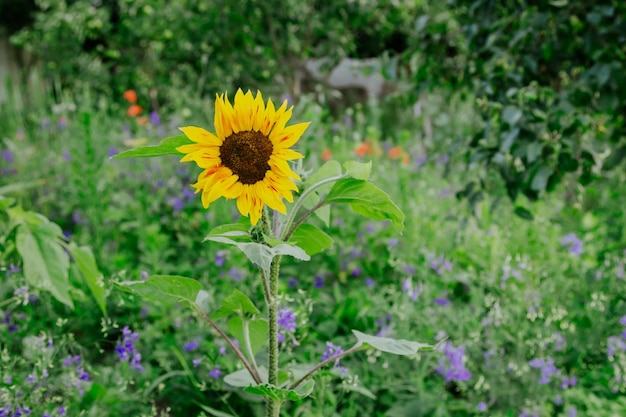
[[367, 200], [166, 147], [396, 346], [282, 395], [260, 254], [312, 239], [167, 289], [238, 303], [358, 170]]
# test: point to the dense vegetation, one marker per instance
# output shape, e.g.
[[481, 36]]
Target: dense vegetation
[[526, 103]]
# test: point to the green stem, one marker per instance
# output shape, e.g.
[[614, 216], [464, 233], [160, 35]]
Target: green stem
[[300, 200], [246, 340], [253, 373], [324, 363], [273, 407]]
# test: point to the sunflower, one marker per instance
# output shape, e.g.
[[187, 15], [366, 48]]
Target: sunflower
[[247, 156]]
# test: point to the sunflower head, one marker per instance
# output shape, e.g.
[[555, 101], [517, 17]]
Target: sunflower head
[[246, 158]]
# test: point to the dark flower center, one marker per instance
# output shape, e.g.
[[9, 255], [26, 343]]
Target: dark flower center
[[247, 154]]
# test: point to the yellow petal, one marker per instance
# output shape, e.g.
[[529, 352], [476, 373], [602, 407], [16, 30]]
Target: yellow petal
[[201, 136], [288, 154], [243, 201], [287, 137]]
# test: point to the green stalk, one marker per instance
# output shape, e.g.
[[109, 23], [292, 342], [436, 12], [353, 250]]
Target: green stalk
[[273, 407]]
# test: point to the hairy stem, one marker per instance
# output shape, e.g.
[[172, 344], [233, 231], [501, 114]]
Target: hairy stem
[[273, 407], [246, 340]]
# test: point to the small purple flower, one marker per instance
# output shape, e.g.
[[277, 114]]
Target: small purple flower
[[177, 204], [66, 156], [622, 321], [13, 269], [196, 362], [369, 282], [235, 274], [347, 120], [572, 412], [215, 372], [126, 349], [189, 194], [573, 244], [7, 155], [292, 282], [332, 351], [356, 272], [191, 346], [482, 406], [61, 411], [547, 367], [112, 151], [222, 350], [392, 242], [442, 301], [8, 380], [220, 258], [455, 361], [143, 275], [31, 379], [287, 321], [318, 281], [154, 118], [159, 183]]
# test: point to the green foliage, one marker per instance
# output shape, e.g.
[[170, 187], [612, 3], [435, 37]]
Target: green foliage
[[548, 80], [166, 147]]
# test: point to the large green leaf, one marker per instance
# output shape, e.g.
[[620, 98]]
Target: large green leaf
[[46, 265], [395, 346], [167, 289], [358, 170], [311, 239], [91, 274], [236, 303], [269, 391], [166, 147], [242, 377], [261, 254], [257, 331], [367, 200]]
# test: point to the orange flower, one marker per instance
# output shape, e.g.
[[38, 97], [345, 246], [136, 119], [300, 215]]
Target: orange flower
[[134, 110], [327, 154], [364, 149], [395, 152], [406, 159], [142, 121], [130, 96]]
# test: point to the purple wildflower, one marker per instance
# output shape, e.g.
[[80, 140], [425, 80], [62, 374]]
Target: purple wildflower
[[220, 258], [482, 406], [287, 322], [369, 282], [189, 194], [440, 264], [332, 351], [13, 269], [177, 204], [292, 282], [347, 120], [547, 367], [191, 346], [572, 412], [112, 151], [222, 350], [235, 274], [196, 362], [154, 118], [66, 156], [442, 301], [392, 242], [7, 155], [356, 272], [215, 372], [455, 361], [318, 281], [573, 244], [126, 349]]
